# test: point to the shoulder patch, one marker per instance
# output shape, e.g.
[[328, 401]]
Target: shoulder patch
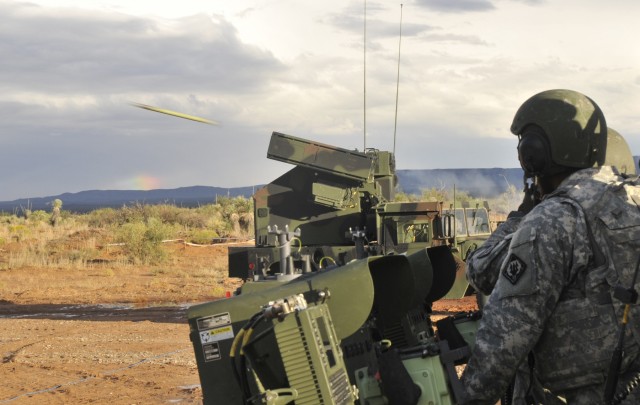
[[514, 269]]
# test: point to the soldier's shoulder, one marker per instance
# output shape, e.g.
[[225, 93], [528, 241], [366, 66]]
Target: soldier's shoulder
[[553, 207]]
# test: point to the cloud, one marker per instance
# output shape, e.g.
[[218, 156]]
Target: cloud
[[456, 39], [69, 125], [67, 76], [456, 6], [102, 53], [376, 28]]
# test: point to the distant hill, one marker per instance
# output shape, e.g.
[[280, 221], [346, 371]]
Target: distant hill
[[89, 200], [477, 182], [483, 183]]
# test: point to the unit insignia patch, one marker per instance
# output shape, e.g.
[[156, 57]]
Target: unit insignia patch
[[514, 269]]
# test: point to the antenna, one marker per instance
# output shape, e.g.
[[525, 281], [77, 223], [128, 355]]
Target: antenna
[[395, 124], [365, 75]]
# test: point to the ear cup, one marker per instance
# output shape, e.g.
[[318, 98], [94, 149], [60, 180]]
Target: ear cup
[[534, 152]]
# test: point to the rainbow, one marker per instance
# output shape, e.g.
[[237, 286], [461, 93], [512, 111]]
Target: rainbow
[[144, 182]]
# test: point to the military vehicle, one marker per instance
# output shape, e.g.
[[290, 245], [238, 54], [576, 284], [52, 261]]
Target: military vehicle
[[337, 205], [336, 307], [356, 334]]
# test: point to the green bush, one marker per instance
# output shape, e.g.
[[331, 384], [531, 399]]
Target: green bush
[[103, 218], [202, 236], [39, 216], [18, 232], [142, 240]]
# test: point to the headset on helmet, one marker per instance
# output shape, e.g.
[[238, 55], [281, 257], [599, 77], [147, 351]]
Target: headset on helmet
[[534, 153], [559, 130]]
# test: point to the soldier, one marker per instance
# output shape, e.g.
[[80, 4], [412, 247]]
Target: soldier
[[483, 264], [550, 308]]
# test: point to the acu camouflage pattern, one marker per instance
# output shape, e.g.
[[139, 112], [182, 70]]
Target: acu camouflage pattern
[[483, 264], [558, 303], [483, 269]]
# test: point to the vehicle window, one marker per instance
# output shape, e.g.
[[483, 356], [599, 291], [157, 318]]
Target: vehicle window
[[413, 232], [461, 226], [478, 220]]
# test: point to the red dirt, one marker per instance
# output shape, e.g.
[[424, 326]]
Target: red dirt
[[111, 334]]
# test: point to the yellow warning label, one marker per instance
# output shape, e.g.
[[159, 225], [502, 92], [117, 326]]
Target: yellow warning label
[[217, 334]]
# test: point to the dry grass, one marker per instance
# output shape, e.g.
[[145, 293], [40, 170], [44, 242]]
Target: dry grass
[[130, 235], [190, 274], [116, 256]]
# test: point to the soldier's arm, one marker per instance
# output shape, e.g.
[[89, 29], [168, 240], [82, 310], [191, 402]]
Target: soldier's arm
[[483, 264], [527, 289]]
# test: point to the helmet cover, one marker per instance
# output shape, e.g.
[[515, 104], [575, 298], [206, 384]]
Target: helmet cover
[[571, 122], [618, 153]]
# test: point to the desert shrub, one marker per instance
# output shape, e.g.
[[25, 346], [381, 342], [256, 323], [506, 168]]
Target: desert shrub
[[219, 225], [237, 205], [80, 255], [192, 219], [210, 216], [134, 213], [39, 216], [236, 217], [202, 236], [142, 240], [103, 218], [80, 238], [18, 232], [184, 217], [56, 212], [435, 194], [168, 214], [404, 197], [209, 210]]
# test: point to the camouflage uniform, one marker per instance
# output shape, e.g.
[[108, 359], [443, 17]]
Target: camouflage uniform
[[483, 264], [483, 269], [547, 300]]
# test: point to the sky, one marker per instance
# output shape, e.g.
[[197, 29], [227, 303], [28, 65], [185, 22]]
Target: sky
[[455, 71]]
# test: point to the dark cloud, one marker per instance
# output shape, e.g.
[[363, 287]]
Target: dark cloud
[[67, 76], [456, 6], [95, 149], [100, 53], [375, 27]]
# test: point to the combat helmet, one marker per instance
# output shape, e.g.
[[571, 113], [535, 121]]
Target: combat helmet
[[618, 153], [559, 131]]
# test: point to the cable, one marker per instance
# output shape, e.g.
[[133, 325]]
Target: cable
[[327, 258], [239, 372]]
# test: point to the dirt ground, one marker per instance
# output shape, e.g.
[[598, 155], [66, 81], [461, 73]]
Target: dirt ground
[[111, 334]]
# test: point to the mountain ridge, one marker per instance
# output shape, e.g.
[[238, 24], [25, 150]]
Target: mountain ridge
[[88, 200], [473, 181], [481, 183]]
